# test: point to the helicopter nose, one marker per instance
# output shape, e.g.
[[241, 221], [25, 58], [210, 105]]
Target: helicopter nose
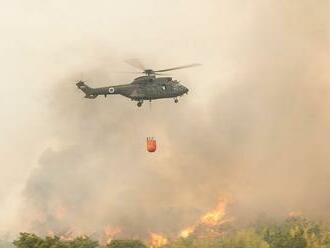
[[185, 90]]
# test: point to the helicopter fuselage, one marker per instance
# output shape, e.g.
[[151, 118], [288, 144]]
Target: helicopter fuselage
[[142, 88]]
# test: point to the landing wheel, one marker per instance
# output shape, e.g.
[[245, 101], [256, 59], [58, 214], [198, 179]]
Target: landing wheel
[[176, 100], [139, 104]]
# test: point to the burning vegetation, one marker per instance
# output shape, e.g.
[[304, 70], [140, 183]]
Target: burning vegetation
[[157, 240], [214, 229], [213, 218], [209, 224], [296, 232]]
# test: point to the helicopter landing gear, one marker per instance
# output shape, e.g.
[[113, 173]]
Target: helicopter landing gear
[[176, 100], [139, 104]]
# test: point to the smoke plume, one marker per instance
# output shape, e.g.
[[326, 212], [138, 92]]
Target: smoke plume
[[254, 126]]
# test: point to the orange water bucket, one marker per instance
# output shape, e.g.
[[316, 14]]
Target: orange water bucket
[[151, 144]]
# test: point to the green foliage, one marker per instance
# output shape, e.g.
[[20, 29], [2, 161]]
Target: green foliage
[[243, 239], [297, 232], [83, 242], [294, 232], [181, 243], [126, 244], [28, 240]]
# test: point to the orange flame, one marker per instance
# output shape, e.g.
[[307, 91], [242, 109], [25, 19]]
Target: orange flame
[[157, 240], [295, 213], [211, 218], [185, 233], [110, 233]]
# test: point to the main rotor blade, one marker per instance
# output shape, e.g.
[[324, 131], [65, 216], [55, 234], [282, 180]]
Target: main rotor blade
[[136, 64], [129, 72], [162, 74], [178, 67]]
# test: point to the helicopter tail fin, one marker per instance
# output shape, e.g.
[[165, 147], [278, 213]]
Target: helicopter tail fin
[[86, 89]]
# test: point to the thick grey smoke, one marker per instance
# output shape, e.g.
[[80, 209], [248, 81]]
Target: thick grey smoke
[[255, 126]]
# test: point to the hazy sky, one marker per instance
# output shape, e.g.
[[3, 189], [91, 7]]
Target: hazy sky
[[255, 123]]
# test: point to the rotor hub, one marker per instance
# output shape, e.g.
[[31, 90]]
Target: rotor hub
[[149, 72]]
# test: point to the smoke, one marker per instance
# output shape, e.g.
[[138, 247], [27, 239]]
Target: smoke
[[255, 125]]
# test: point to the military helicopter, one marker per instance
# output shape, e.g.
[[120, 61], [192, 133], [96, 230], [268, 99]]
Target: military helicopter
[[148, 87]]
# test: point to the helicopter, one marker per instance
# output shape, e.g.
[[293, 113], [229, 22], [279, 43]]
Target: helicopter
[[147, 87]]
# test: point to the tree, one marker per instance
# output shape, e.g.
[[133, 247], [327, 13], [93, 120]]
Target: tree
[[28, 240], [54, 242], [297, 232], [83, 242], [246, 238], [126, 244]]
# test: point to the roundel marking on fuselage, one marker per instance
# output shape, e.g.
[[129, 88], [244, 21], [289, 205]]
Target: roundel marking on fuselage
[[111, 90]]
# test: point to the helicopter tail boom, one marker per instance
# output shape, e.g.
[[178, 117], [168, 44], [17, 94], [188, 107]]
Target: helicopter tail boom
[[86, 89]]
